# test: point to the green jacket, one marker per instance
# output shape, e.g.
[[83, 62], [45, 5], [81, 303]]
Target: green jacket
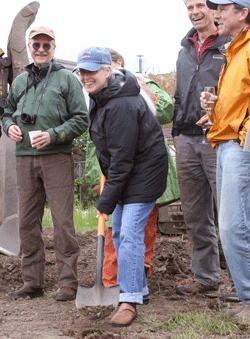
[[62, 111], [164, 106], [164, 114]]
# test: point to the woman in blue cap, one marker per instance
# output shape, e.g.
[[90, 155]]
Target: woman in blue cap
[[132, 155]]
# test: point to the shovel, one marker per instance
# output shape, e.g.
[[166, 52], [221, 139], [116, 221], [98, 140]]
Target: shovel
[[98, 295]]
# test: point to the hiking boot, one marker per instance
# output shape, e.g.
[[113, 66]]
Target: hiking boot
[[28, 292], [146, 299], [65, 293], [195, 288], [231, 296], [124, 316]]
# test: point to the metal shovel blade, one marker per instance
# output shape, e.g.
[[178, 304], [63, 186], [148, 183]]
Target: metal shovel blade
[[98, 295]]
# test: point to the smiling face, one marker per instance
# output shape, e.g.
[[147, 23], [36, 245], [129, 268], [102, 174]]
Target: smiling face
[[231, 21], [42, 49], [199, 14], [95, 81]]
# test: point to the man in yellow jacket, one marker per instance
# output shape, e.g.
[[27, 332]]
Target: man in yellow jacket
[[230, 123]]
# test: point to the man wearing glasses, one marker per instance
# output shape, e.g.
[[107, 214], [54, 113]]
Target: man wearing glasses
[[47, 100]]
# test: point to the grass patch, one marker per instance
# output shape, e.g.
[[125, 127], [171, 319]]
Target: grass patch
[[194, 325], [84, 219]]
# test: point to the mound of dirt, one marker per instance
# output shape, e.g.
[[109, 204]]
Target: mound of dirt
[[45, 318]]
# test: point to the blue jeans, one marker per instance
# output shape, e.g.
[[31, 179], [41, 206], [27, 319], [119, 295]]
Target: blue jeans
[[128, 225], [233, 189]]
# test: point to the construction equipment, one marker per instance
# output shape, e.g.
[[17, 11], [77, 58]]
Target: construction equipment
[[12, 66], [98, 295]]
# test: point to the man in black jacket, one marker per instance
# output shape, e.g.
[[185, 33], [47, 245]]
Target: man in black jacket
[[198, 65]]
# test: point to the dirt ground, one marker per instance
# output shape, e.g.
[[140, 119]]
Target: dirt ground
[[44, 318]]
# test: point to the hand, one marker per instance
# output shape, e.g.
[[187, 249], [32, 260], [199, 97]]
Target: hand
[[106, 217], [96, 188], [41, 140], [205, 97], [15, 133], [204, 122], [175, 138]]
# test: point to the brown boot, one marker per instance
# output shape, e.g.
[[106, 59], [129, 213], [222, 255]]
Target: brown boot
[[195, 288], [28, 292], [65, 293], [124, 316]]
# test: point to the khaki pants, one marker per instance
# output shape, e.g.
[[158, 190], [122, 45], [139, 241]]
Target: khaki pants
[[51, 178], [196, 168]]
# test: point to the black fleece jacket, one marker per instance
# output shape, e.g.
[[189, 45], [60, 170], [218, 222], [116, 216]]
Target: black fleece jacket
[[129, 143], [191, 78]]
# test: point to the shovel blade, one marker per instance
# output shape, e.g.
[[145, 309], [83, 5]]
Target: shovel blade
[[98, 295]]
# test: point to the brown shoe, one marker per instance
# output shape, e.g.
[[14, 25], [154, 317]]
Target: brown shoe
[[196, 288], [124, 316], [28, 292], [65, 293]]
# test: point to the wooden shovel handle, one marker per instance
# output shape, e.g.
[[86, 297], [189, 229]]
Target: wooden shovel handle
[[101, 219]]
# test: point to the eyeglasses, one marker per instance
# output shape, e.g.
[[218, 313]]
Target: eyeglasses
[[37, 45]]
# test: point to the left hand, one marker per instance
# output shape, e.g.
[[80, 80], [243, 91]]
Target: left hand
[[204, 122], [41, 140], [105, 215]]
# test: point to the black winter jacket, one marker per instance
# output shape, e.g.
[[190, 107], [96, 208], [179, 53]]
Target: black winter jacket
[[192, 77], [129, 143]]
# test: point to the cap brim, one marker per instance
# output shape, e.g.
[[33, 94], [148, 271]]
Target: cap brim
[[36, 34], [213, 5], [89, 66]]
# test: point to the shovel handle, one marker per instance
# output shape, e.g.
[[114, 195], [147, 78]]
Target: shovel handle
[[101, 219]]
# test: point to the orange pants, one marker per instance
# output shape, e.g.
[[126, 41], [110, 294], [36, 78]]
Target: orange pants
[[109, 276]]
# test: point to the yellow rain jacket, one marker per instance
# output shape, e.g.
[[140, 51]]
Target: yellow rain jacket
[[232, 110]]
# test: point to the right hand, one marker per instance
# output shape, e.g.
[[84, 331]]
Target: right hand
[[205, 97], [97, 189], [15, 133]]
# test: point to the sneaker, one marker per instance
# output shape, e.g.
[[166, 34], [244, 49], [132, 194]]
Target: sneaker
[[27, 292], [243, 316], [195, 288], [124, 316], [230, 297], [233, 311], [65, 293]]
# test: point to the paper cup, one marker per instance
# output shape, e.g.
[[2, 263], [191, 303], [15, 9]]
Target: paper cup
[[31, 135]]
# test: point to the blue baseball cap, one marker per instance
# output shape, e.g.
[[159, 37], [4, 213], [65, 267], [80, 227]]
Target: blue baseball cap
[[93, 58], [213, 4]]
